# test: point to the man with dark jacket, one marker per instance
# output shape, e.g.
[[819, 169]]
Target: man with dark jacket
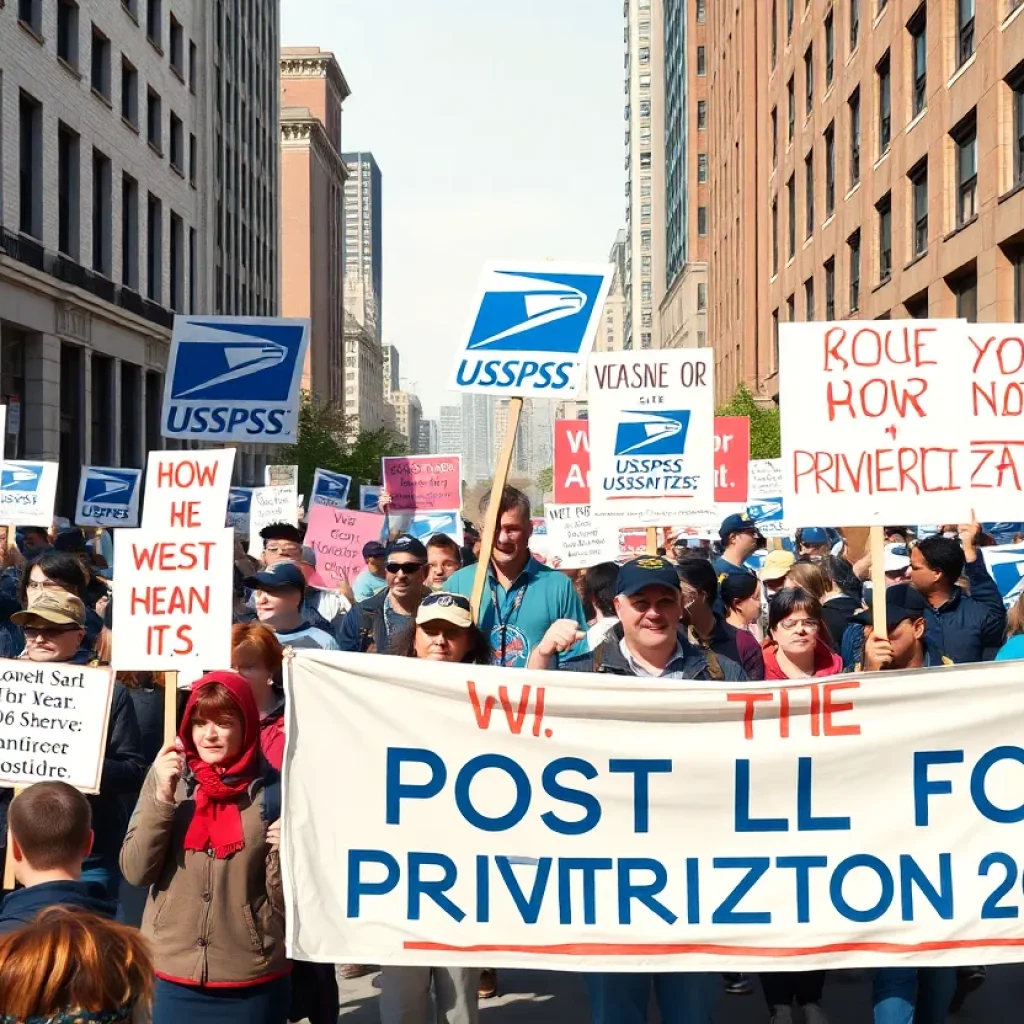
[[972, 624]]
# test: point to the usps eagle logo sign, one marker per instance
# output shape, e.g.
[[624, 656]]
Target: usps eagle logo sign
[[531, 329], [27, 493], [108, 496], [235, 379], [425, 525], [330, 489], [641, 432]]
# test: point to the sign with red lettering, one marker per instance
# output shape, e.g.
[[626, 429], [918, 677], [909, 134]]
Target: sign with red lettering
[[423, 483], [572, 462], [187, 490], [901, 422], [732, 458], [337, 536]]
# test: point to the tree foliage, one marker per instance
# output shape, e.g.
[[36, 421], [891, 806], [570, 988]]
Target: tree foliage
[[546, 480], [324, 443], [765, 435]]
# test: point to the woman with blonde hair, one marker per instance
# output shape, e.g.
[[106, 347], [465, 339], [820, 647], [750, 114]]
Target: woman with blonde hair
[[1013, 649], [68, 967]]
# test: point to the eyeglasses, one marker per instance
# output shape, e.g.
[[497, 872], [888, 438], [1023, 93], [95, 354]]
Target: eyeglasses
[[287, 549], [43, 585], [446, 600], [409, 568], [47, 632], [811, 625]]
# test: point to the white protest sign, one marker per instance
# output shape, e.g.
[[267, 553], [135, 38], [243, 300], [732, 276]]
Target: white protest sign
[[53, 723], [108, 496], [579, 540], [652, 434], [239, 502], [764, 497], [270, 505], [281, 476], [187, 489], [28, 490]]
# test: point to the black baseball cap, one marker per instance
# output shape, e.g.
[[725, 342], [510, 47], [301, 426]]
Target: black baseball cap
[[374, 549], [648, 571], [738, 522], [284, 574], [406, 545], [901, 602]]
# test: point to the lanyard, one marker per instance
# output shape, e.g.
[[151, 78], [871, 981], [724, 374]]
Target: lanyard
[[505, 620]]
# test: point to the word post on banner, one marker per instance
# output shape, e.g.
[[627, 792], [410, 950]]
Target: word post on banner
[[578, 539], [270, 505], [187, 490], [732, 458], [423, 483], [53, 723], [330, 489], [571, 462], [652, 434], [540, 820], [337, 536], [28, 490], [108, 496]]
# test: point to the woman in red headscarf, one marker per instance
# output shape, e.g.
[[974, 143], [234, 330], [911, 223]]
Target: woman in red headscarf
[[204, 838]]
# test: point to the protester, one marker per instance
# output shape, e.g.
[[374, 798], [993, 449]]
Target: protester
[[329, 605], [146, 690], [444, 559], [51, 835], [599, 594], [712, 631], [373, 578], [279, 598], [383, 622], [522, 598], [57, 571], [740, 540], [794, 648], [895, 535], [1013, 649], [72, 967], [33, 540], [445, 631], [775, 570], [741, 597], [257, 656], [843, 599], [896, 565], [282, 542], [906, 643], [205, 838], [972, 624], [97, 591], [813, 542]]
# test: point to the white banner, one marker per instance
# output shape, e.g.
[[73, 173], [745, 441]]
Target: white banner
[[187, 489], [28, 490], [270, 505], [555, 820], [53, 723], [579, 539]]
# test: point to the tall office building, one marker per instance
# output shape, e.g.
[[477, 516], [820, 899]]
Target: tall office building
[[644, 278], [313, 192], [611, 335], [450, 430], [477, 438], [101, 122], [683, 306], [392, 369], [427, 443], [365, 407], [408, 414], [364, 259]]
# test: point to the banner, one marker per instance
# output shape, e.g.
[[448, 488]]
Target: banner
[[108, 496], [330, 489], [28, 490], [423, 483], [652, 434], [578, 539], [270, 505], [572, 462], [187, 488], [558, 821], [239, 505], [53, 723], [337, 536], [732, 458]]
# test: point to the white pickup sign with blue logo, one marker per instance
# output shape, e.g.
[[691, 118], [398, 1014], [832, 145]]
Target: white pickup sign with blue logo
[[330, 489], [239, 505], [425, 525], [532, 328], [27, 493], [108, 496], [235, 378], [369, 497]]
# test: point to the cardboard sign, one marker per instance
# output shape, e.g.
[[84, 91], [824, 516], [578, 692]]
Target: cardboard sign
[[108, 496], [765, 504], [531, 329], [281, 476], [239, 505], [579, 540], [423, 483], [270, 505], [337, 536], [368, 498], [732, 457], [28, 491], [187, 489], [330, 489], [652, 434], [53, 723], [572, 462]]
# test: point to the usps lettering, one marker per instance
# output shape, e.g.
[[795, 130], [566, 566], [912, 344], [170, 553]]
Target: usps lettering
[[649, 454], [19, 485], [108, 494]]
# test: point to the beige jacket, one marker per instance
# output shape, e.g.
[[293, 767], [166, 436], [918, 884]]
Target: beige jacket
[[211, 922]]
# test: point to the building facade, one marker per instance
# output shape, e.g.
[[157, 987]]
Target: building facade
[[313, 175], [427, 440], [103, 227], [477, 438], [408, 415], [611, 335], [392, 368], [364, 253], [450, 430], [365, 407]]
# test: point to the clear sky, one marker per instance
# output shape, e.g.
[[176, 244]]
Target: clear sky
[[498, 127]]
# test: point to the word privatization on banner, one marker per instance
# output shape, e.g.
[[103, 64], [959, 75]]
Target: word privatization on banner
[[553, 824], [108, 496]]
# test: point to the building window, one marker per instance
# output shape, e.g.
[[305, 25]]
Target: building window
[[645, 161], [31, 13], [129, 232], [645, 108], [775, 338], [775, 33], [702, 296], [809, 80], [154, 17], [853, 245], [791, 99], [67, 32], [129, 92], [192, 154], [154, 248], [884, 209], [177, 264], [99, 77], [791, 308], [830, 169], [30, 166], [701, 12], [177, 46], [917, 307], [702, 221], [809, 191], [830, 48], [854, 105], [1018, 131], [775, 137], [919, 193], [854, 24], [775, 236], [918, 28], [701, 339], [965, 288], [964, 31], [701, 62], [645, 55], [702, 115], [882, 4], [809, 299], [193, 66], [884, 105], [789, 20], [965, 137], [101, 213], [791, 204], [68, 195], [154, 127], [702, 167], [177, 143], [830, 289]]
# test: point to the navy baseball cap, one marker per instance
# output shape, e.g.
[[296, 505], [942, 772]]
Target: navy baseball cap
[[406, 545], [901, 602], [284, 574], [374, 549], [736, 523], [648, 571], [814, 535]]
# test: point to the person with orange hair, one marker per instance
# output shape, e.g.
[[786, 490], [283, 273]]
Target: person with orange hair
[[70, 967], [205, 838], [257, 656]]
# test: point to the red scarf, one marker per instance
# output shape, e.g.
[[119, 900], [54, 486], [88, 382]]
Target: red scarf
[[217, 822]]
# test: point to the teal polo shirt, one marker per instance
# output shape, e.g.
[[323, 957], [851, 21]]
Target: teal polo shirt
[[515, 620]]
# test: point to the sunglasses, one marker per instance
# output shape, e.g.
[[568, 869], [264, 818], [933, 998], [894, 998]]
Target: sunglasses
[[31, 632], [409, 568]]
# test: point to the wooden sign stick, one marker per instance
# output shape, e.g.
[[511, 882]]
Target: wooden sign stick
[[170, 706], [652, 540], [878, 581], [515, 407]]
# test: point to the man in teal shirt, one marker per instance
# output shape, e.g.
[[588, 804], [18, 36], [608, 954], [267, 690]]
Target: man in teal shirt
[[521, 597]]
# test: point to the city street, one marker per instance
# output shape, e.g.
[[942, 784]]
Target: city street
[[539, 997]]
